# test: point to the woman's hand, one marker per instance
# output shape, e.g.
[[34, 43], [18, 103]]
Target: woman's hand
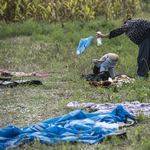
[[95, 61], [98, 34]]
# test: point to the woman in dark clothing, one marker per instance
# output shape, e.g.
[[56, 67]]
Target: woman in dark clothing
[[138, 31]]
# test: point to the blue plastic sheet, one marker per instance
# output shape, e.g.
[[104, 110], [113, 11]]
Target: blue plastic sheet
[[75, 126], [83, 44]]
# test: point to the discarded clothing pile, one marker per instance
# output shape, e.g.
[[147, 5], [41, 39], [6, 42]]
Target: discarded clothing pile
[[7, 83], [97, 77], [75, 126], [6, 73], [134, 108], [117, 80]]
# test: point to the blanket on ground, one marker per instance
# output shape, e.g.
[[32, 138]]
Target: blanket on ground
[[134, 108], [118, 80], [6, 73], [75, 126]]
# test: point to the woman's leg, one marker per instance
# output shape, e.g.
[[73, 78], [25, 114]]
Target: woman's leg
[[111, 72], [104, 65], [108, 63], [144, 58]]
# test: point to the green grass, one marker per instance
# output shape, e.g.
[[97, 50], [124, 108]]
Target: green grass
[[32, 46]]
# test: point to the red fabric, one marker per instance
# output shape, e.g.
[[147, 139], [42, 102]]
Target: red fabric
[[6, 73], [42, 74]]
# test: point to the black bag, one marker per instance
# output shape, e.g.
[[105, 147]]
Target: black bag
[[96, 77], [6, 82]]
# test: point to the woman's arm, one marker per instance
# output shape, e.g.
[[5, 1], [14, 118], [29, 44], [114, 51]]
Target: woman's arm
[[114, 33], [96, 61], [102, 60]]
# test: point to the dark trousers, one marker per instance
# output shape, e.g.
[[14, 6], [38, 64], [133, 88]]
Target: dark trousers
[[143, 59]]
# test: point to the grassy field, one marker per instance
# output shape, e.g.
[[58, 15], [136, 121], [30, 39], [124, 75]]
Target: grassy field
[[41, 47]]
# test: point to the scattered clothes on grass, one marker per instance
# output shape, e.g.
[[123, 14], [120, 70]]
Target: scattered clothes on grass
[[134, 108], [97, 77], [118, 80], [6, 73], [7, 83], [75, 126], [83, 44]]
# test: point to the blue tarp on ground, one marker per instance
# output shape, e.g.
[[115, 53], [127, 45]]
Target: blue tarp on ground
[[75, 126]]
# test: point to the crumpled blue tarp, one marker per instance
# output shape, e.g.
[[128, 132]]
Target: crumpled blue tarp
[[75, 126], [83, 44]]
